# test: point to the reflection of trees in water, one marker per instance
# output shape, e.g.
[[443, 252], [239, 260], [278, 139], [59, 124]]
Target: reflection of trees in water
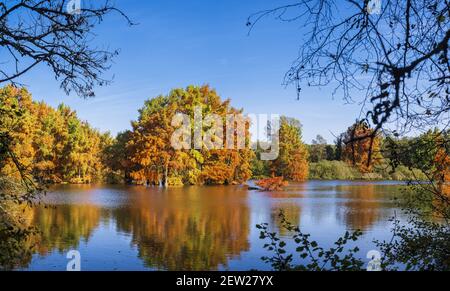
[[285, 202], [187, 229], [17, 243], [292, 212], [361, 208], [176, 229], [62, 227]]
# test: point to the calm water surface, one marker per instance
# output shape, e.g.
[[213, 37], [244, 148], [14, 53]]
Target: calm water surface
[[199, 228]]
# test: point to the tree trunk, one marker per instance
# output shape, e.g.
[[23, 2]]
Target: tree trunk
[[166, 173]]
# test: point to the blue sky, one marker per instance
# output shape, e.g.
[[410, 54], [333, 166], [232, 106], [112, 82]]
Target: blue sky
[[177, 43]]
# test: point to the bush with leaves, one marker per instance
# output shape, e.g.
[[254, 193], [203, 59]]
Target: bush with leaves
[[418, 246], [272, 184], [423, 243], [312, 256], [333, 170]]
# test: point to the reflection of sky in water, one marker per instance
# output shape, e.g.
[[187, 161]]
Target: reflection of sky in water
[[196, 228]]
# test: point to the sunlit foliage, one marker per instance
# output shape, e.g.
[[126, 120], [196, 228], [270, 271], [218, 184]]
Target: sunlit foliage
[[52, 144], [272, 184], [362, 147], [153, 158], [292, 162]]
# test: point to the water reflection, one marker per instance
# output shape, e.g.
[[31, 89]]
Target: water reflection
[[16, 244], [62, 227], [175, 229], [197, 228], [361, 207], [180, 230]]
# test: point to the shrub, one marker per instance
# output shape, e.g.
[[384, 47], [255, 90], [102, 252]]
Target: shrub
[[175, 181], [272, 184], [401, 173], [333, 170]]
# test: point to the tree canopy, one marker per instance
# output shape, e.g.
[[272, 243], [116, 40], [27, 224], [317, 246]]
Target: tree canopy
[[152, 151], [52, 144], [292, 162]]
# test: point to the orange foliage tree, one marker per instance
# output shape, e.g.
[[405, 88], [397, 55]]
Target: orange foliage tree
[[152, 153], [442, 162], [441, 173], [53, 144], [272, 184], [292, 162], [361, 147]]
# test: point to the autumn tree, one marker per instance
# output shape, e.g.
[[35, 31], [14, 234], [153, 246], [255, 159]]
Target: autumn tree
[[292, 162], [116, 156], [362, 149], [272, 184], [54, 145], [17, 188], [150, 142], [45, 141], [34, 33], [442, 161], [17, 127], [154, 157]]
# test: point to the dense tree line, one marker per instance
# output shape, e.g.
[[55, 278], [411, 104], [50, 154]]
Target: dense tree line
[[358, 154], [52, 144], [57, 147]]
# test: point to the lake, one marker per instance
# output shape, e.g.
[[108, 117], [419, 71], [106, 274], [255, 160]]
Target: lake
[[199, 228]]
